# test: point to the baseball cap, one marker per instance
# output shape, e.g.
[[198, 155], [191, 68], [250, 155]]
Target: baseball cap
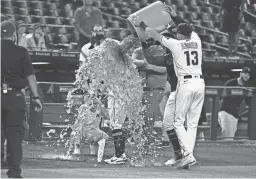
[[20, 23], [184, 29], [7, 29], [246, 70]]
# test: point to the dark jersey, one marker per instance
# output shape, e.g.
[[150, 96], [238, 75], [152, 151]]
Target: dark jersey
[[16, 65], [231, 104]]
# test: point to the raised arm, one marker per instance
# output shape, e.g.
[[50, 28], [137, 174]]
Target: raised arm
[[127, 43]]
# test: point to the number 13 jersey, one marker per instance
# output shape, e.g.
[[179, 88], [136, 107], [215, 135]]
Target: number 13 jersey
[[187, 55]]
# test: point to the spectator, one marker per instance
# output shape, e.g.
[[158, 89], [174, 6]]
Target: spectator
[[228, 114], [233, 14], [85, 18], [47, 38], [21, 36], [36, 39]]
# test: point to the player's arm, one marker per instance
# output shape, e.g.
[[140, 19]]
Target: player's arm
[[169, 43], [221, 7], [83, 56], [127, 43], [178, 20], [151, 59]]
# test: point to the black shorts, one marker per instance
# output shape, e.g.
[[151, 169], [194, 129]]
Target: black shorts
[[231, 21]]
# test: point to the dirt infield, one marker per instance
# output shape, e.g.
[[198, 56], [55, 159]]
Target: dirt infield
[[214, 160]]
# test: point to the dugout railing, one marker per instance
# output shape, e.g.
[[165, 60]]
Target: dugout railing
[[49, 124]]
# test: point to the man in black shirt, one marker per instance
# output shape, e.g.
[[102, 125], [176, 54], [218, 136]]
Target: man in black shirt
[[228, 114], [16, 71]]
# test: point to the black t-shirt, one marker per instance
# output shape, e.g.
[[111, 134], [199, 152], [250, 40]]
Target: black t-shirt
[[16, 64], [230, 4], [231, 104]]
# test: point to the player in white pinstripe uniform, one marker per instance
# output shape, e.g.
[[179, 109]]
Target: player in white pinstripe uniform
[[187, 59]]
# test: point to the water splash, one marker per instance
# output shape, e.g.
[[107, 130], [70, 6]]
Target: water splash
[[60, 157]]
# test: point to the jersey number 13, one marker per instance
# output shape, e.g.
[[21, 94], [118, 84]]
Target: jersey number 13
[[192, 58]]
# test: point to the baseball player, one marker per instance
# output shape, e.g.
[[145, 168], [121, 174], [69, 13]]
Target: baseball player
[[97, 38], [90, 129], [190, 92]]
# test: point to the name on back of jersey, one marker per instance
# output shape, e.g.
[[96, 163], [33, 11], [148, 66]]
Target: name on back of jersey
[[189, 45]]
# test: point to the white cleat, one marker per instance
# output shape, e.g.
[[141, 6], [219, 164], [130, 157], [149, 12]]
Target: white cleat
[[173, 161], [187, 162], [117, 160]]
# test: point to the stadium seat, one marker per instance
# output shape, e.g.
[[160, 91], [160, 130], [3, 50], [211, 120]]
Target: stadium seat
[[54, 13], [143, 3], [38, 4], [24, 11], [59, 21], [38, 12], [50, 20], [196, 9], [28, 19], [22, 4], [62, 30], [126, 11], [136, 5], [4, 10], [6, 3], [40, 20], [168, 2], [123, 24], [211, 38], [242, 33], [111, 5], [192, 3], [98, 3]]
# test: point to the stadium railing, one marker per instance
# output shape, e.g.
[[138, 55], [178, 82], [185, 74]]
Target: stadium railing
[[54, 118]]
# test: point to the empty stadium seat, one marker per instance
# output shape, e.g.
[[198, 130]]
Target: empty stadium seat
[[24, 11], [168, 2], [6, 3], [116, 12], [22, 4]]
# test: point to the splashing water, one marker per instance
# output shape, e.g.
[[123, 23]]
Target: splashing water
[[59, 157], [109, 64]]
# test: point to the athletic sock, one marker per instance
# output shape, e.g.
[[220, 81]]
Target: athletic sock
[[117, 133], [122, 145], [174, 140]]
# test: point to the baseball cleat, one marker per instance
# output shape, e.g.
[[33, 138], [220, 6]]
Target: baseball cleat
[[187, 162], [117, 160], [173, 161]]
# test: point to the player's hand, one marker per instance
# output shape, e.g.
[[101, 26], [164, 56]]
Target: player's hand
[[145, 62], [170, 10], [38, 104], [136, 20]]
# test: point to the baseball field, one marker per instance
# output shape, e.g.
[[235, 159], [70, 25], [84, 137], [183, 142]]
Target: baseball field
[[215, 160]]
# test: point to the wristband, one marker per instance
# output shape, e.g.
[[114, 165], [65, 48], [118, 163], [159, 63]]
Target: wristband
[[35, 97]]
